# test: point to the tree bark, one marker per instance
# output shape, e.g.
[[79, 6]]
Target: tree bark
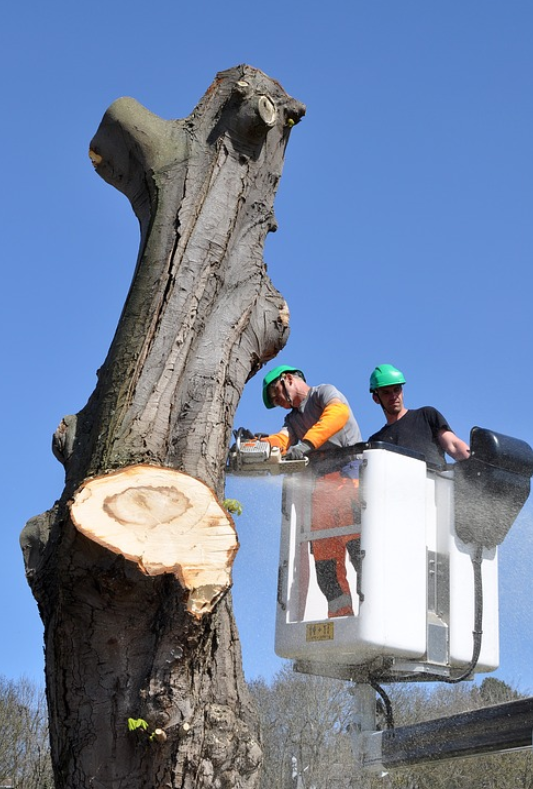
[[122, 640]]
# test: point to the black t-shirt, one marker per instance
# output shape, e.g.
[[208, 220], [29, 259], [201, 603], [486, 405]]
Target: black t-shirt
[[417, 430]]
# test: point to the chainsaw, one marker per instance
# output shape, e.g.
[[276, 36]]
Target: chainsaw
[[255, 457]]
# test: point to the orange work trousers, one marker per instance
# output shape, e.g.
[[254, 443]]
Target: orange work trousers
[[335, 503]]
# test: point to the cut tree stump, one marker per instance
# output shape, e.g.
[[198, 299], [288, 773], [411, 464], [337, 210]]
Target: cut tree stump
[[165, 522], [201, 317]]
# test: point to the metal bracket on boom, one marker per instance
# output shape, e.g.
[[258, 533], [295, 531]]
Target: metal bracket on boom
[[366, 739]]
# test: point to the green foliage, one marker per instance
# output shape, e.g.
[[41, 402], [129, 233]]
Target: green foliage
[[233, 506], [140, 725], [134, 724], [494, 691]]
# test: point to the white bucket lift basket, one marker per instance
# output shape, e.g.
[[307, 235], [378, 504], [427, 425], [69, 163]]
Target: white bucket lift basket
[[415, 611]]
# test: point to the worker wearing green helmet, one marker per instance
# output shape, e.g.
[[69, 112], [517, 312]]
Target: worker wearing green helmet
[[278, 373], [320, 417], [385, 375], [423, 430]]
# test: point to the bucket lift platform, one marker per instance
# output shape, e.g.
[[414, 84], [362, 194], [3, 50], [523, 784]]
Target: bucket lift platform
[[417, 601]]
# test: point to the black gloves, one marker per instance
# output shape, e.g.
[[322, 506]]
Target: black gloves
[[298, 451]]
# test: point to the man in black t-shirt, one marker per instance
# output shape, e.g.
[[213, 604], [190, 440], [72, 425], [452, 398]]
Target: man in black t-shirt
[[423, 430]]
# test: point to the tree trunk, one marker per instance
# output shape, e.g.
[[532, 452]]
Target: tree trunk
[[131, 567]]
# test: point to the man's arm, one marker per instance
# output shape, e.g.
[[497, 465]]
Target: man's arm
[[453, 446], [332, 419]]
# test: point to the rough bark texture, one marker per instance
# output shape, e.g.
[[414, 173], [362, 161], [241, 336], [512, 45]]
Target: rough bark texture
[[201, 317]]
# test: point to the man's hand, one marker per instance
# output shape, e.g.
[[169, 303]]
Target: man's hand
[[298, 451]]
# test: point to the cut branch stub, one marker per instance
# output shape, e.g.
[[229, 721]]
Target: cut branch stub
[[164, 521]]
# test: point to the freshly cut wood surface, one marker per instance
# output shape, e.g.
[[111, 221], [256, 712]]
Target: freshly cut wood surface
[[166, 522]]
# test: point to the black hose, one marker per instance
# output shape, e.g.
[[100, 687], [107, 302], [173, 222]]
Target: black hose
[[477, 559], [389, 715]]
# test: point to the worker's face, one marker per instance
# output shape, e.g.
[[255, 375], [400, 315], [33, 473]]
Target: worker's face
[[390, 398], [281, 391]]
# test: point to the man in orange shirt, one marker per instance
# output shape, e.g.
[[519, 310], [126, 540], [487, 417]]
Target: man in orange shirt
[[320, 418]]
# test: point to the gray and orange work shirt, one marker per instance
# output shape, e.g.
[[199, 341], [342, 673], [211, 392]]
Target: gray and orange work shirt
[[324, 419]]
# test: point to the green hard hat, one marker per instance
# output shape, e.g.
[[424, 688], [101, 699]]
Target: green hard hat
[[385, 375], [272, 376]]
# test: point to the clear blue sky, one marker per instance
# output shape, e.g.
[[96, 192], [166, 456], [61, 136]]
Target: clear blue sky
[[405, 235]]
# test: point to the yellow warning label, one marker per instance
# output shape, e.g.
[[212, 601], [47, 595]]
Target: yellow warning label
[[320, 631]]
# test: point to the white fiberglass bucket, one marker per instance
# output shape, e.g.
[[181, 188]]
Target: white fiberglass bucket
[[416, 584]]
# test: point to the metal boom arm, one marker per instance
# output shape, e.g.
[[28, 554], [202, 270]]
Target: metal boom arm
[[495, 729]]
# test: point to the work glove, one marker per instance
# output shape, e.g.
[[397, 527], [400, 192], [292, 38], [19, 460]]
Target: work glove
[[298, 451]]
